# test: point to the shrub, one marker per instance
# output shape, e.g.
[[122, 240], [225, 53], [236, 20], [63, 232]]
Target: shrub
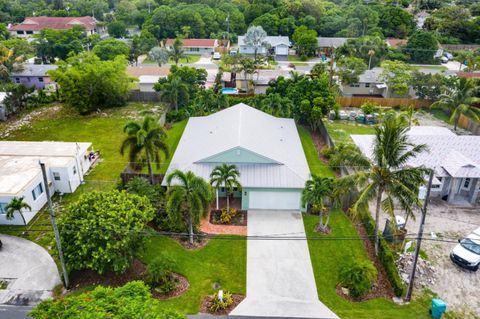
[[177, 116], [227, 215], [369, 107], [217, 304], [358, 277], [159, 274]]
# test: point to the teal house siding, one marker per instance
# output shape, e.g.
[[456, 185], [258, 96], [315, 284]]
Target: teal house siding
[[238, 155]]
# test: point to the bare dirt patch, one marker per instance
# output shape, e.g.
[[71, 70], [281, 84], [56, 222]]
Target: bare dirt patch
[[24, 120]]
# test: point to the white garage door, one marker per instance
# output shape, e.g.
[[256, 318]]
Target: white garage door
[[282, 50], [274, 200]]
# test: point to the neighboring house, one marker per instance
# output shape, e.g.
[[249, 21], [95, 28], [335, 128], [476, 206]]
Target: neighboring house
[[146, 82], [396, 43], [34, 75], [371, 84], [455, 159], [276, 45], [21, 176], [328, 45], [3, 111], [266, 150], [195, 46], [33, 25]]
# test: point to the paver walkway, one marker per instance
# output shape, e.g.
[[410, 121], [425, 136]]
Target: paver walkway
[[280, 280]]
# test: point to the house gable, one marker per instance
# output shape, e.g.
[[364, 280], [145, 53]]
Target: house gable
[[238, 155]]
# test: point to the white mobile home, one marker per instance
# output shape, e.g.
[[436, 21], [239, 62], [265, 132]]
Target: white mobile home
[[21, 176]]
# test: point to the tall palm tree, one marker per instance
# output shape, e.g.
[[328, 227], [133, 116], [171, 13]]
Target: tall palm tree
[[276, 105], [316, 190], [147, 138], [225, 176], [177, 52], [408, 113], [16, 205], [173, 90], [187, 198], [459, 100], [387, 179]]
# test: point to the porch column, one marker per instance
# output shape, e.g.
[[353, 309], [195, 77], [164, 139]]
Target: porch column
[[216, 192], [453, 189], [473, 193]]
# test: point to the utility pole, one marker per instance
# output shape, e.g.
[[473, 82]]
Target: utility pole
[[54, 224], [408, 297]]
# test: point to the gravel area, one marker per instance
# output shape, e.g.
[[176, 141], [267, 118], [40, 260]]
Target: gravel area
[[427, 119]]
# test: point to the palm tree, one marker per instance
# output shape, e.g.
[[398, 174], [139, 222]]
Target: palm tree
[[227, 176], [276, 105], [173, 90], [177, 52], [408, 113], [387, 178], [147, 137], [316, 190], [16, 205], [459, 100], [187, 198]]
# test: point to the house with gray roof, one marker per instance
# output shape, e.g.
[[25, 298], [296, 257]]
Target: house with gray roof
[[277, 45], [266, 150], [33, 75], [455, 160], [326, 45]]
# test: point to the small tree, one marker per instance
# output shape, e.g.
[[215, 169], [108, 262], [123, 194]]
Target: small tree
[[146, 138], [159, 55], [173, 90], [255, 37], [176, 52], [102, 231], [188, 198], [316, 190], [117, 29], [350, 68], [358, 277], [305, 41], [398, 76], [225, 176], [16, 205], [110, 49]]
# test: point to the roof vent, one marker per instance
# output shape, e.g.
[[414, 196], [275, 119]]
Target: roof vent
[[281, 140], [211, 132]]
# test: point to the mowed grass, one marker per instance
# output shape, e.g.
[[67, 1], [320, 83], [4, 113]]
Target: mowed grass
[[340, 131], [191, 59], [221, 261], [327, 258], [317, 167]]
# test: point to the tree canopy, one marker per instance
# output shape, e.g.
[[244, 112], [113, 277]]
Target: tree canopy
[[110, 49]]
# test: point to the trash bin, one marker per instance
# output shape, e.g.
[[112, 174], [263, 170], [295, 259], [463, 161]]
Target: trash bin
[[438, 308]]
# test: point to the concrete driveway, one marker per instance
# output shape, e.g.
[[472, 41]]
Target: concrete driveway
[[280, 281], [29, 270]]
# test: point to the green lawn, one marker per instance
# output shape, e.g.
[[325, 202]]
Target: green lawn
[[222, 261], [327, 257], [340, 131], [191, 59], [439, 114], [317, 167]]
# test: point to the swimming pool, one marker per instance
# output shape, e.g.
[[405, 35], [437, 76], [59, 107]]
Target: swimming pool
[[230, 91]]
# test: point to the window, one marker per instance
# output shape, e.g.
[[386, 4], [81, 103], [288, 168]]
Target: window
[[56, 176], [436, 186], [19, 32], [2, 208], [194, 50], [466, 183], [29, 32], [37, 191], [74, 170], [17, 80], [440, 179], [40, 79], [367, 85], [354, 85]]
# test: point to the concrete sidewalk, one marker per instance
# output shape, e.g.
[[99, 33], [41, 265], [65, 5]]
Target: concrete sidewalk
[[280, 280]]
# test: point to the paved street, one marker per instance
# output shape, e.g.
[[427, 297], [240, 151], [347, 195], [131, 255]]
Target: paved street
[[280, 280], [14, 312]]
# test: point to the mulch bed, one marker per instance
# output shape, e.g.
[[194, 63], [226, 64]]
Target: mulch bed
[[240, 218], [325, 231], [182, 286], [206, 302], [382, 288]]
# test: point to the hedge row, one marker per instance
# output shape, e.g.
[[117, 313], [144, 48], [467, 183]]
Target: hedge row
[[386, 256]]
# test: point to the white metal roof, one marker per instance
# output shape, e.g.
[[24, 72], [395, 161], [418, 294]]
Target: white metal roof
[[243, 126], [50, 149], [149, 79], [450, 154], [272, 40]]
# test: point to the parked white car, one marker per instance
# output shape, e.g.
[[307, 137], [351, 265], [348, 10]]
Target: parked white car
[[217, 56], [467, 253]]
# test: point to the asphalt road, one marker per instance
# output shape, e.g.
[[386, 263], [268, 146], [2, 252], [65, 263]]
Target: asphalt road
[[14, 312]]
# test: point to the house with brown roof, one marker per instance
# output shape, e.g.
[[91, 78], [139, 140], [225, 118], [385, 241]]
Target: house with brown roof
[[33, 25], [195, 46]]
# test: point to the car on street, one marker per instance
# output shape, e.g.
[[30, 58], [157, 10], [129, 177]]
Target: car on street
[[467, 253], [217, 56]]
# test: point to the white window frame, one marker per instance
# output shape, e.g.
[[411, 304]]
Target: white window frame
[[36, 195], [464, 181], [56, 176]]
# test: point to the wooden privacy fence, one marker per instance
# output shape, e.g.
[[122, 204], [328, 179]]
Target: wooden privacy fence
[[357, 101], [469, 124]]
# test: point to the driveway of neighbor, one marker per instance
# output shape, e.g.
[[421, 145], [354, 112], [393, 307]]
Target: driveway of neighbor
[[30, 271], [280, 281]]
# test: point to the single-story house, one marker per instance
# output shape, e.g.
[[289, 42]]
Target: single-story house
[[326, 45], [371, 84], [195, 46], [21, 176], [396, 43], [266, 150], [277, 45], [33, 25], [34, 75], [454, 158], [3, 111], [146, 82]]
